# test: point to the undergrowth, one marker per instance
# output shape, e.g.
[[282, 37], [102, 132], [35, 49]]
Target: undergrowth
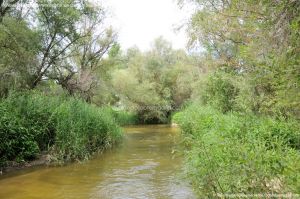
[[67, 128], [240, 153]]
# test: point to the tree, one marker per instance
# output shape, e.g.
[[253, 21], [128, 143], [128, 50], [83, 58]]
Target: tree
[[61, 41], [18, 50], [6, 7], [255, 40], [156, 82]]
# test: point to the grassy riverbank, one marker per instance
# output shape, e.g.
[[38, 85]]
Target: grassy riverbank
[[67, 128], [240, 153]]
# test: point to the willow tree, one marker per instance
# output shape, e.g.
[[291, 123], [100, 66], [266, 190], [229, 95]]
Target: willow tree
[[258, 43], [61, 41], [6, 7], [155, 83], [74, 37], [19, 47]]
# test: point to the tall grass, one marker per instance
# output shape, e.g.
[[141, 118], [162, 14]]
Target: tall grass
[[67, 128], [234, 153], [123, 117]]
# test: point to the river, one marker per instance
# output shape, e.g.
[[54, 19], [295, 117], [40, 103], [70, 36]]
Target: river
[[147, 164]]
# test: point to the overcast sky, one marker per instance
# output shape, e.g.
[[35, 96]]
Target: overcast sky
[[139, 22]]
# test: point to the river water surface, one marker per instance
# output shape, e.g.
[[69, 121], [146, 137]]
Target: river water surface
[[146, 165]]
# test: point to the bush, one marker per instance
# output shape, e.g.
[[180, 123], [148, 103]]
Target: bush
[[25, 128], [122, 117], [82, 129], [235, 153], [219, 91], [68, 128]]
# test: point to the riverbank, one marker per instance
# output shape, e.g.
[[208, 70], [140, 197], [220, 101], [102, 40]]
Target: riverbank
[[11, 166], [68, 129], [143, 166], [240, 153]]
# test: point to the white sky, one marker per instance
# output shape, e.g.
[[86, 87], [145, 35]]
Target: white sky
[[139, 22]]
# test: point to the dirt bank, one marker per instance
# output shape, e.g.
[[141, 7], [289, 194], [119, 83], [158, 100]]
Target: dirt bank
[[43, 159]]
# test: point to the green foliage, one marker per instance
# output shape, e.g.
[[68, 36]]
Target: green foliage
[[68, 128], [219, 91], [153, 83], [67, 38], [25, 126], [244, 137], [124, 118], [259, 41], [236, 153], [18, 49], [82, 129]]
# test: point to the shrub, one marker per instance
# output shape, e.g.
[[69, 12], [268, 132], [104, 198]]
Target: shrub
[[66, 127], [123, 117], [24, 126], [219, 91], [235, 153], [82, 129]]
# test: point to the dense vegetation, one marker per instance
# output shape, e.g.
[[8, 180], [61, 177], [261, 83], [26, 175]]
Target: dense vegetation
[[154, 83], [242, 124], [240, 153], [253, 46], [52, 74], [238, 86], [66, 128]]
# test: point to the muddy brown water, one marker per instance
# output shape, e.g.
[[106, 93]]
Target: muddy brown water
[[146, 165]]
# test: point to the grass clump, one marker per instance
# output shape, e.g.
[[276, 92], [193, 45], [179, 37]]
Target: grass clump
[[236, 153], [67, 128], [82, 129], [123, 117]]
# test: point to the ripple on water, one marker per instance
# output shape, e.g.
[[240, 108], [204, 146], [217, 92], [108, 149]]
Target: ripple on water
[[144, 166]]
